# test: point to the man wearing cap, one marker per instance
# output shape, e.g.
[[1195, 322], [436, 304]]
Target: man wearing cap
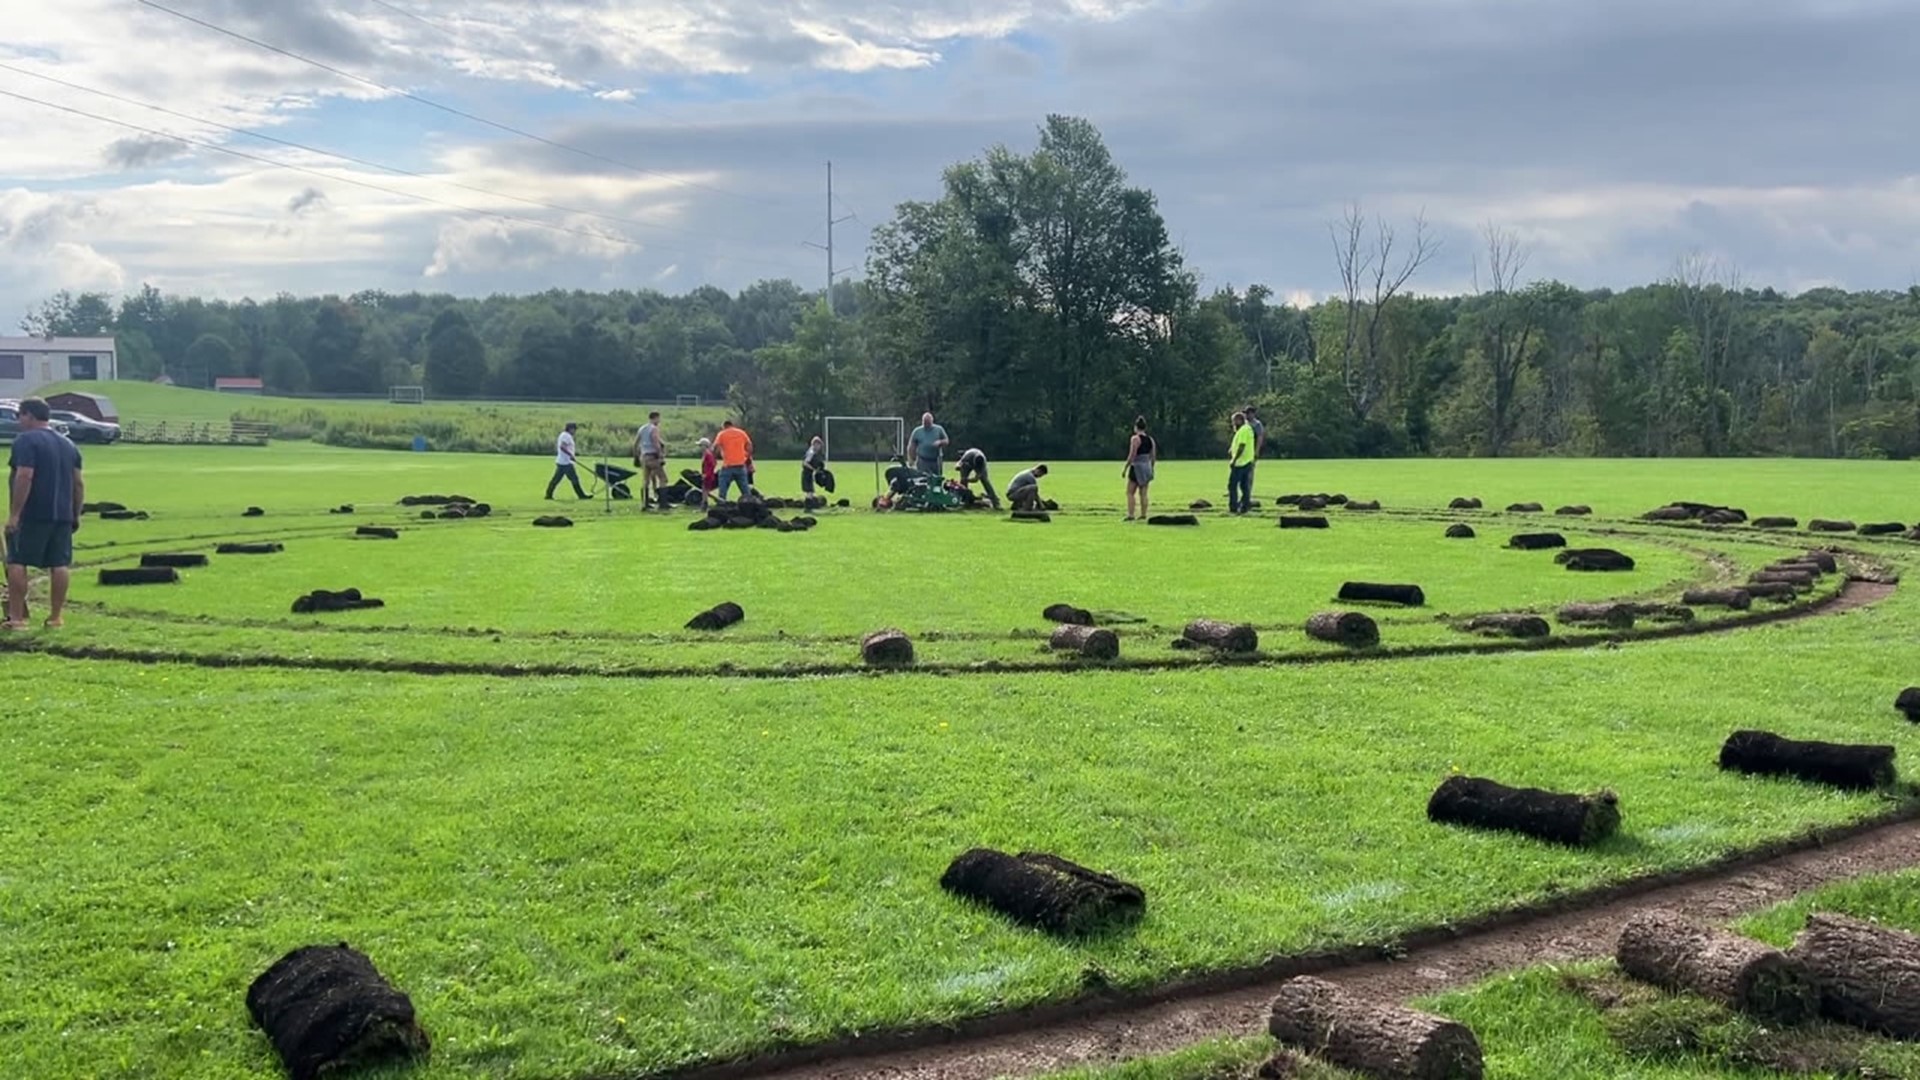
[[45, 494], [563, 463]]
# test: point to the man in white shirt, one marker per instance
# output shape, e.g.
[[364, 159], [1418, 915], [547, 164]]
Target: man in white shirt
[[650, 454], [563, 464]]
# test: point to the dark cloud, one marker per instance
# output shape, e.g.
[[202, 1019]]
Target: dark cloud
[[310, 199], [309, 29], [140, 151]]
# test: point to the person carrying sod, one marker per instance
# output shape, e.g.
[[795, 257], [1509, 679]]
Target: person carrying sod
[[564, 462], [1139, 468], [973, 466], [736, 457], [1024, 492], [1240, 466], [813, 468], [926, 444], [650, 455]]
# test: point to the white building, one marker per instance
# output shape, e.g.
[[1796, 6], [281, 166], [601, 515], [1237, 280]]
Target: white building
[[29, 363]]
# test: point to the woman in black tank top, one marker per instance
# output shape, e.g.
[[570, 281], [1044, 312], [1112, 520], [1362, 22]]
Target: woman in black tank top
[[1139, 468]]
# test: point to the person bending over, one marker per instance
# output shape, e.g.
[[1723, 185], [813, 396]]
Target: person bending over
[[564, 463], [973, 466], [1024, 492]]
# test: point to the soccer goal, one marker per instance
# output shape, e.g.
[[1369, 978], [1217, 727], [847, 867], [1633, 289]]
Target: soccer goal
[[407, 395], [881, 437], [684, 401]]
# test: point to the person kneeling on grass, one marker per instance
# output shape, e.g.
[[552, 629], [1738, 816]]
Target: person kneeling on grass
[[973, 466], [1024, 492]]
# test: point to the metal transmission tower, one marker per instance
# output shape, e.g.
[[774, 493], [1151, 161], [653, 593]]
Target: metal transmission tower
[[828, 246]]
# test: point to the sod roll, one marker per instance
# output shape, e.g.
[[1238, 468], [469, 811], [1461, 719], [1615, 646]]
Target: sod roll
[[1525, 508], [326, 1008], [1574, 820], [1826, 526], [1574, 511], [887, 648], [1043, 891], [1771, 590], [1464, 504], [1795, 578], [1379, 1039], [1909, 703], [1537, 541], [1222, 636], [1313, 502], [123, 515], [1460, 532], [1668, 950], [1736, 599], [1510, 624], [377, 532], [1669, 513], [249, 549], [1199, 504], [1869, 975], [253, 511], [183, 560], [1776, 523], [1173, 519], [1370, 504], [1303, 521], [555, 521], [1595, 560], [1367, 592], [101, 507], [1882, 528], [1659, 612], [1090, 642], [1353, 629], [1067, 614], [1611, 616], [1854, 767], [718, 617], [1822, 559], [140, 575]]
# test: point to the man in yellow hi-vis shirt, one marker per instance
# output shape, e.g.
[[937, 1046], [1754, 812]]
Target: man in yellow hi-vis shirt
[[1240, 467]]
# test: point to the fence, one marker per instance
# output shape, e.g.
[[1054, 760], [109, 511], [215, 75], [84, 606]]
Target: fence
[[233, 433]]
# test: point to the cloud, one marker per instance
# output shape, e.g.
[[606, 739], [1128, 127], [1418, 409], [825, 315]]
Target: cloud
[[140, 151], [486, 246], [309, 199]]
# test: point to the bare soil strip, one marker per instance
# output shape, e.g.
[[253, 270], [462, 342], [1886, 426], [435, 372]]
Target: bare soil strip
[[1112, 1027]]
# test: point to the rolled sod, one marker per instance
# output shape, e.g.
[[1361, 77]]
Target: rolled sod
[[343, 509], [326, 1008], [1464, 504], [101, 507], [1222, 636], [1668, 950], [249, 549], [1854, 767], [1669, 513], [1792, 567], [1199, 504], [1353, 629], [1525, 508], [123, 515], [1371, 504], [1611, 616], [555, 521], [1771, 590], [428, 515], [1574, 820], [1288, 500], [142, 575], [1823, 525], [1378, 1039], [1666, 613], [1723, 517], [1574, 511], [1090, 642], [1737, 599], [253, 511], [1537, 541], [1068, 615], [1366, 592], [887, 648], [1173, 519], [1800, 582], [1883, 528], [1595, 560], [182, 560], [1313, 502], [718, 617], [1869, 975], [324, 600], [1044, 891], [1030, 515], [1909, 703], [1822, 559], [1776, 523], [377, 532], [1460, 532], [1303, 521], [1510, 624]]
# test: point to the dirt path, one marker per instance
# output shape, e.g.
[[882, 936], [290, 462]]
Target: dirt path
[[1027, 1045]]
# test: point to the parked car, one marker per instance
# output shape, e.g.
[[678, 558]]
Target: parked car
[[85, 429], [10, 422]]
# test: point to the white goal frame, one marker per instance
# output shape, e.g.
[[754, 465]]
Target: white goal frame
[[684, 401], [406, 395]]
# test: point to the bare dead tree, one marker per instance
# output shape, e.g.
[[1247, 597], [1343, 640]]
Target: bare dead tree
[[1372, 275], [1708, 291], [1507, 325]]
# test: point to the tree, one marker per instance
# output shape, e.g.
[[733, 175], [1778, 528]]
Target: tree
[[1372, 276], [1505, 326], [284, 371], [334, 357], [66, 315], [208, 358], [456, 358], [811, 375]]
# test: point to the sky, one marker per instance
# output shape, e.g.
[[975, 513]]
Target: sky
[[484, 146]]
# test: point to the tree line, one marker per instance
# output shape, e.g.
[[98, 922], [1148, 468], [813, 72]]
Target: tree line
[[1038, 305]]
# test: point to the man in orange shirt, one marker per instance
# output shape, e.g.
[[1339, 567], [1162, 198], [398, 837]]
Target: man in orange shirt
[[736, 450]]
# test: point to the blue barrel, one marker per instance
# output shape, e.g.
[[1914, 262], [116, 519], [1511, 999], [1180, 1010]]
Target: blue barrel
[[419, 444]]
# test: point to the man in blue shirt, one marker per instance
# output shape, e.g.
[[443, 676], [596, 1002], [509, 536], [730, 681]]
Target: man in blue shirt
[[925, 445], [45, 493]]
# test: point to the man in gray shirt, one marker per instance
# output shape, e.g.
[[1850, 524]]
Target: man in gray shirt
[[925, 445], [650, 453]]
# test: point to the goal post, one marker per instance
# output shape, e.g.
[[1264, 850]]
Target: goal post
[[407, 395], [686, 401], [872, 433]]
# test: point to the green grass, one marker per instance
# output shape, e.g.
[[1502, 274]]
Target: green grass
[[584, 876]]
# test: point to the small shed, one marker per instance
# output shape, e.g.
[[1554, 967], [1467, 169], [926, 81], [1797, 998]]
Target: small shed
[[238, 385], [95, 406]]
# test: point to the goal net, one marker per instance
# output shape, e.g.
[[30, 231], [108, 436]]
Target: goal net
[[683, 401], [879, 438], [407, 395]]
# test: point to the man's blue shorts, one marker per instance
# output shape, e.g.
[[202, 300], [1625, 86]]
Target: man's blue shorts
[[41, 544]]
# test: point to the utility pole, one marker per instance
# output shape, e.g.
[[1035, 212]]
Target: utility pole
[[828, 246]]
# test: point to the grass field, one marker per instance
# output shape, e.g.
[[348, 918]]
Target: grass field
[[585, 876]]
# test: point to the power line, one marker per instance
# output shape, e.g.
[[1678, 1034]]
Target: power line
[[448, 109], [217, 148], [395, 169]]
